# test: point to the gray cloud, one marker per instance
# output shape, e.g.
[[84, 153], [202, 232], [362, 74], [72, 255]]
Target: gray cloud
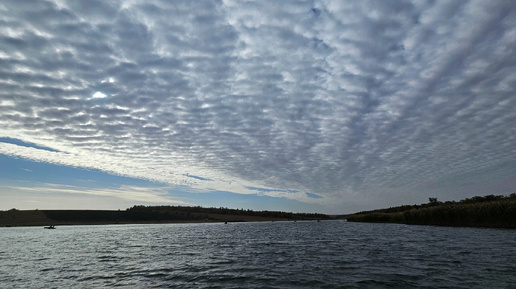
[[365, 104]]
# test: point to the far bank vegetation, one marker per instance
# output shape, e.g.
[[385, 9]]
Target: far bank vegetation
[[487, 211], [146, 214]]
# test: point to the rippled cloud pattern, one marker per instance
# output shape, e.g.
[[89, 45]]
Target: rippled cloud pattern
[[340, 103]]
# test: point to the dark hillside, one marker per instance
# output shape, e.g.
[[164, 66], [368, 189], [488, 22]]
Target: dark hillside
[[488, 211], [146, 214]]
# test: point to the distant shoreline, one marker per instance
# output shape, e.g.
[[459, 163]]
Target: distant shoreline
[[485, 212], [58, 224], [144, 215], [39, 223]]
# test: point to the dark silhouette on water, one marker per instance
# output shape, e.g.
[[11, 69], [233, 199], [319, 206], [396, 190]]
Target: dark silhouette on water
[[50, 227]]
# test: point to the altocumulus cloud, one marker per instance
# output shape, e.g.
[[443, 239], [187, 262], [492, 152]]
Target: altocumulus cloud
[[352, 104]]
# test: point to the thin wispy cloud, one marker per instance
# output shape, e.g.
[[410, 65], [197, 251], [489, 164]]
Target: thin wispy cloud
[[347, 104], [127, 193]]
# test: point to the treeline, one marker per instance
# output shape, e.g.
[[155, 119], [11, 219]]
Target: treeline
[[208, 213], [487, 211]]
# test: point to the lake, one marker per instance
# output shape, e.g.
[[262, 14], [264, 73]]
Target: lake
[[326, 254]]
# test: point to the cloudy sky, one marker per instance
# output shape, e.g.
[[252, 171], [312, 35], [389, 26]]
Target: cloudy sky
[[314, 106]]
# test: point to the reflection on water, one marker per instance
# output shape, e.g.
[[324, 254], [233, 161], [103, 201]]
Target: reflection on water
[[328, 254]]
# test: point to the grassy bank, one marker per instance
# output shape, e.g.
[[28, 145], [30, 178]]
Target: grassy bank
[[488, 211], [144, 214]]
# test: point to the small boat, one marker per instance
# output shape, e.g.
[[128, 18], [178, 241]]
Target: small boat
[[50, 227]]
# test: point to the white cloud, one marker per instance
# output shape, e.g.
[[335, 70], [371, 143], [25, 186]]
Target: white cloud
[[374, 99], [98, 94], [127, 193]]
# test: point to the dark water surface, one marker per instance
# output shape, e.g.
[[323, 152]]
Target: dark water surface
[[327, 254]]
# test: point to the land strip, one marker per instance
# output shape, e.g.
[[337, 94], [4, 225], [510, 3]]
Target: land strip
[[145, 215], [488, 211]]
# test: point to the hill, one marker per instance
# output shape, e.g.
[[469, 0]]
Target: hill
[[145, 214]]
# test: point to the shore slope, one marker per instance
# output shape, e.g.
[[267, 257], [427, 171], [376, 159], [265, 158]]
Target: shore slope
[[144, 215], [488, 211]]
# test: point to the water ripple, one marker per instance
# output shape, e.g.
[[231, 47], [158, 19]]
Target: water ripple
[[328, 254]]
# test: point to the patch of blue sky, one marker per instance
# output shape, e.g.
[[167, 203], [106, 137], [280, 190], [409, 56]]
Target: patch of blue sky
[[20, 171], [25, 144], [313, 196], [197, 177], [15, 170], [264, 190], [230, 200]]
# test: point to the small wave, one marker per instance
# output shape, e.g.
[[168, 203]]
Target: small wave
[[269, 255]]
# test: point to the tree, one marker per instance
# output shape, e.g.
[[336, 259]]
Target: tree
[[433, 200]]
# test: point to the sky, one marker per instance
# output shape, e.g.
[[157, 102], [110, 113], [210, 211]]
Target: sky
[[303, 106]]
